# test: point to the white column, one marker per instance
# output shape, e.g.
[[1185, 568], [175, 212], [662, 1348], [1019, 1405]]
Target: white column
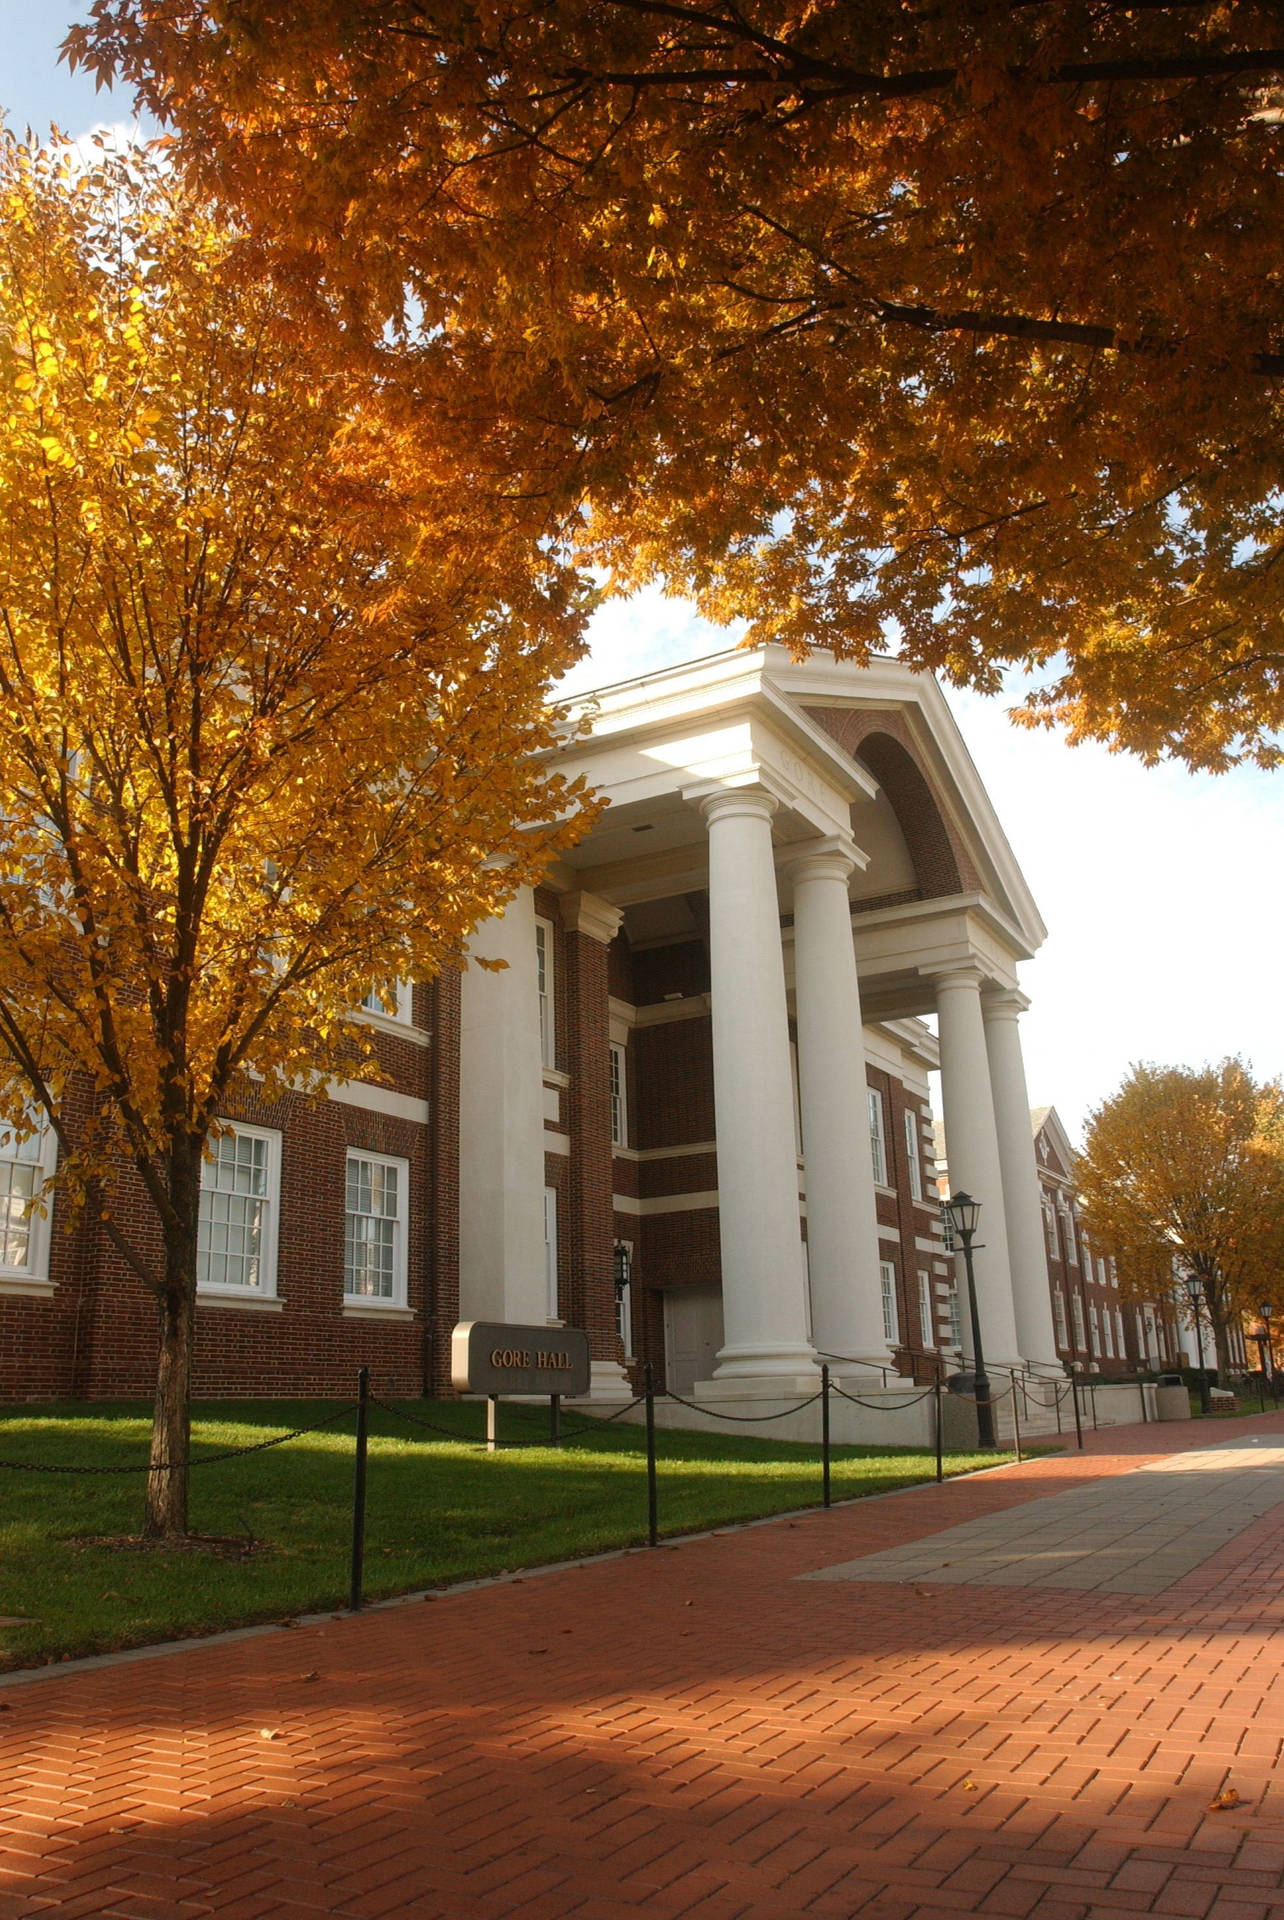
[[972, 1147], [501, 1126], [764, 1302], [842, 1225], [1023, 1215]]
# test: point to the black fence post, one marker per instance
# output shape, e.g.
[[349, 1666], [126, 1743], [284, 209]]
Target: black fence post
[[1016, 1423], [1092, 1395], [824, 1432], [359, 1490], [1078, 1422], [940, 1430], [652, 1527], [555, 1419]]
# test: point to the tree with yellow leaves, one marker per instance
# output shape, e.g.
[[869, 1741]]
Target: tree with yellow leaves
[[951, 327], [272, 701], [1182, 1172]]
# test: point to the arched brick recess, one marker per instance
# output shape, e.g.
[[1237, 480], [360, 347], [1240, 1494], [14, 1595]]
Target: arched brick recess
[[882, 741]]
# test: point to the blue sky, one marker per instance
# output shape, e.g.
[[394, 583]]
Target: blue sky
[[1160, 888]]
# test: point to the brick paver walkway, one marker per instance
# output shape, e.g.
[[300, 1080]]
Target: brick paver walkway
[[694, 1732]]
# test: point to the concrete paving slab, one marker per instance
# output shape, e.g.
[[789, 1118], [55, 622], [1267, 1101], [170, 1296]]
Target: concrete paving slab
[[1140, 1533]]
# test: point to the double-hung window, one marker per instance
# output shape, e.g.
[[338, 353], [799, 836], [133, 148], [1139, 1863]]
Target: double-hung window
[[926, 1311], [1059, 1316], [240, 1201], [24, 1228], [877, 1137], [1076, 1308], [914, 1152], [1050, 1224], [891, 1318], [394, 1001], [619, 1100], [544, 977], [376, 1192]]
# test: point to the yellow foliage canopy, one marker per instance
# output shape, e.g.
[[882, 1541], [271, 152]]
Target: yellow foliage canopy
[[1186, 1166], [963, 317], [272, 687]]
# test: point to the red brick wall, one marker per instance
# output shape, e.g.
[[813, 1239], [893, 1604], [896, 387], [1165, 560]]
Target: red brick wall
[[589, 1227], [673, 1081], [907, 1219], [441, 1278], [886, 745], [96, 1337]]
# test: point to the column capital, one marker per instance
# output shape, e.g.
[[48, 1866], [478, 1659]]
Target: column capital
[[752, 801], [834, 856], [963, 974], [1005, 1003], [589, 913]]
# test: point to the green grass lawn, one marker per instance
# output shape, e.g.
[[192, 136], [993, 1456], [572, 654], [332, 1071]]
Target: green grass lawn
[[1245, 1404], [438, 1510]]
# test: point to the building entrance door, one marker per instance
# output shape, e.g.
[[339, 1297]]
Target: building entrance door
[[692, 1335]]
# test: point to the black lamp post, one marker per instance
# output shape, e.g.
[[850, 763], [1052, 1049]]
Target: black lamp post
[[1268, 1351], [1195, 1293], [964, 1212]]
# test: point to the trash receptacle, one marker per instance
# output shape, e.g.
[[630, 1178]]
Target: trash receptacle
[[1172, 1401]]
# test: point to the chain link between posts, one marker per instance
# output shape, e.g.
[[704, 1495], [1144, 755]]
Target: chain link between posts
[[171, 1466]]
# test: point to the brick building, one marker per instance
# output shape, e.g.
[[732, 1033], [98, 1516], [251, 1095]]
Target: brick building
[[1095, 1329], [691, 1113]]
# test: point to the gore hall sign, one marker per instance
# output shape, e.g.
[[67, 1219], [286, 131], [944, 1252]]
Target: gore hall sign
[[489, 1357]]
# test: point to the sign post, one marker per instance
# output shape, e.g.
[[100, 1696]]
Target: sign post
[[495, 1358]]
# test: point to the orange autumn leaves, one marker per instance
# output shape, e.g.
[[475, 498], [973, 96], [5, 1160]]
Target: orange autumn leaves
[[958, 325], [1183, 1171], [272, 695]]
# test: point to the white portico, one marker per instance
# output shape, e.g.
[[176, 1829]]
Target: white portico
[[818, 833]]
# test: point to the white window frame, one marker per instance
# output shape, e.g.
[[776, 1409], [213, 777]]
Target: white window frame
[[401, 1013], [891, 1308], [267, 1286], [927, 1311], [1050, 1224], [877, 1136], [619, 1096], [1076, 1314], [396, 1300], [40, 1152], [1119, 1334], [954, 1317], [546, 987], [550, 1252], [914, 1152], [1059, 1317]]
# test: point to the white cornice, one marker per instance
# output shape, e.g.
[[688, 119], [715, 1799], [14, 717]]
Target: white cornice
[[766, 688]]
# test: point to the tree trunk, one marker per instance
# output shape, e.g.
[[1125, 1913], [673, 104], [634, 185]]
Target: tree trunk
[[166, 1512], [1215, 1308]]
